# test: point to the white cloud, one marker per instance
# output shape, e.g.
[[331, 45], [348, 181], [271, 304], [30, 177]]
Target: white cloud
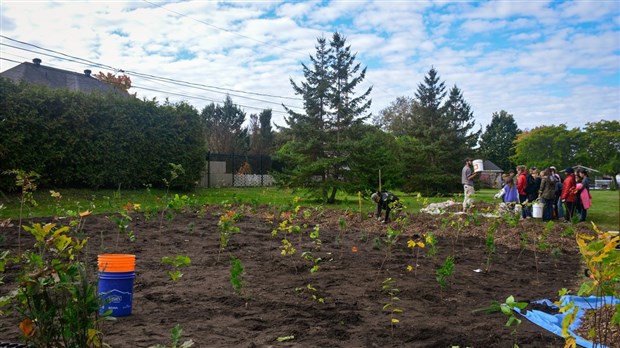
[[545, 63]]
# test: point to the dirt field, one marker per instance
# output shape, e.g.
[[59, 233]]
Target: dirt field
[[276, 301]]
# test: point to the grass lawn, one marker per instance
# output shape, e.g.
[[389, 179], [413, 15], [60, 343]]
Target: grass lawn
[[604, 211]]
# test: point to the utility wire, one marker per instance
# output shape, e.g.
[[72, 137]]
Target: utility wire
[[166, 80], [143, 75], [204, 98], [248, 37], [10, 60]]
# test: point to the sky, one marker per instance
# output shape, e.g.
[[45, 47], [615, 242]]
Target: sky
[[544, 62]]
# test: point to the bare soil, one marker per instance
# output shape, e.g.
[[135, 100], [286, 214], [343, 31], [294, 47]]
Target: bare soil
[[277, 303]]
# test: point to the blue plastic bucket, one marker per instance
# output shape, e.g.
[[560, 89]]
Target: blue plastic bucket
[[116, 292]]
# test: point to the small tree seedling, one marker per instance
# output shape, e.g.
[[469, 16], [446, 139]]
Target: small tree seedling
[[388, 286], [177, 262], [175, 337]]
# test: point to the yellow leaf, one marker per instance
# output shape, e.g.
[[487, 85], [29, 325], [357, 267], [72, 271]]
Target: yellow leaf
[[409, 268], [410, 243], [86, 213], [48, 227], [420, 244], [570, 343], [394, 321], [62, 242]]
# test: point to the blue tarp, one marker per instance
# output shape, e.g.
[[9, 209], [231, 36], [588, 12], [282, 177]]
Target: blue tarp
[[553, 322]]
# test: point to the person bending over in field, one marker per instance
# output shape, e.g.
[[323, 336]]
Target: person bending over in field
[[387, 201]]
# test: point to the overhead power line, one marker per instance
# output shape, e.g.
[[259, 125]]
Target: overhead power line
[[10, 60], [210, 88], [203, 98]]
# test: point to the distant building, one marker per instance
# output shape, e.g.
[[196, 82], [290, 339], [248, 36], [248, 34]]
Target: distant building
[[38, 74], [491, 176]]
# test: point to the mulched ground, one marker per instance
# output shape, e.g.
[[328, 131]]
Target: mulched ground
[[277, 302]]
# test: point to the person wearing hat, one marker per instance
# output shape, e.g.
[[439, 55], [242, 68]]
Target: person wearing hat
[[467, 179], [387, 201], [569, 193]]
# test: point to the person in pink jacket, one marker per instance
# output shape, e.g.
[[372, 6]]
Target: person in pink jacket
[[584, 198]]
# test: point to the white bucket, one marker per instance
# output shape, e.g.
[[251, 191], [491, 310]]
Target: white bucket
[[478, 165], [537, 210]]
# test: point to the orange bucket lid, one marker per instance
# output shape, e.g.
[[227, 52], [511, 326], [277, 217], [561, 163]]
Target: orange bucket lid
[[116, 262]]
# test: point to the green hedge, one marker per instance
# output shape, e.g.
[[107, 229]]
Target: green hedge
[[97, 140]]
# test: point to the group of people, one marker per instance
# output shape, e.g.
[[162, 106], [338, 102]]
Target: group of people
[[560, 198]]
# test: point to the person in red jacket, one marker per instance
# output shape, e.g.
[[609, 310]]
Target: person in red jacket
[[569, 196], [521, 185]]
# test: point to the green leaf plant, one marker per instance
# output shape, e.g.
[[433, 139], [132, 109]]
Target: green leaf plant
[[27, 182], [175, 337], [602, 260], [227, 228], [237, 277], [490, 243], [176, 262], [431, 241], [390, 239], [388, 286], [507, 308], [57, 301], [176, 170], [443, 272]]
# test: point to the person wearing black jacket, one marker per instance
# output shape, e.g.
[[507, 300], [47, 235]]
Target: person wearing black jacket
[[387, 201]]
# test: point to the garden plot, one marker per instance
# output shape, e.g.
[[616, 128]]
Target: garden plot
[[316, 277]]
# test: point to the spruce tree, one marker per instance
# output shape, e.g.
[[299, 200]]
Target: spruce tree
[[317, 155], [496, 143]]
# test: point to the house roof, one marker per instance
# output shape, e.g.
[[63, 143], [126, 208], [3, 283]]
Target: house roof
[[590, 170], [491, 167], [36, 73]]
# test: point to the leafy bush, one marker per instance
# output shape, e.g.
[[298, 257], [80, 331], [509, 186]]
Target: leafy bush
[[97, 140]]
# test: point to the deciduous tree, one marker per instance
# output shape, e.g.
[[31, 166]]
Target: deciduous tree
[[546, 146], [119, 82], [601, 147]]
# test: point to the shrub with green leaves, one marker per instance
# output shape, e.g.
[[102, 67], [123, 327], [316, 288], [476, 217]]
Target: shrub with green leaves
[[97, 140], [56, 298]]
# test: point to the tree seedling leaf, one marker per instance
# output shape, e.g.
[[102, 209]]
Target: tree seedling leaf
[[285, 338]]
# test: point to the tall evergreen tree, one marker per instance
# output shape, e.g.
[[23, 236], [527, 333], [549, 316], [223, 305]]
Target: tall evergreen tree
[[225, 131], [428, 112], [441, 131], [496, 143], [316, 158], [261, 133], [461, 120]]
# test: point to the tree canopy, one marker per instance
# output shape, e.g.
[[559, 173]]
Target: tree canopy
[[547, 146]]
